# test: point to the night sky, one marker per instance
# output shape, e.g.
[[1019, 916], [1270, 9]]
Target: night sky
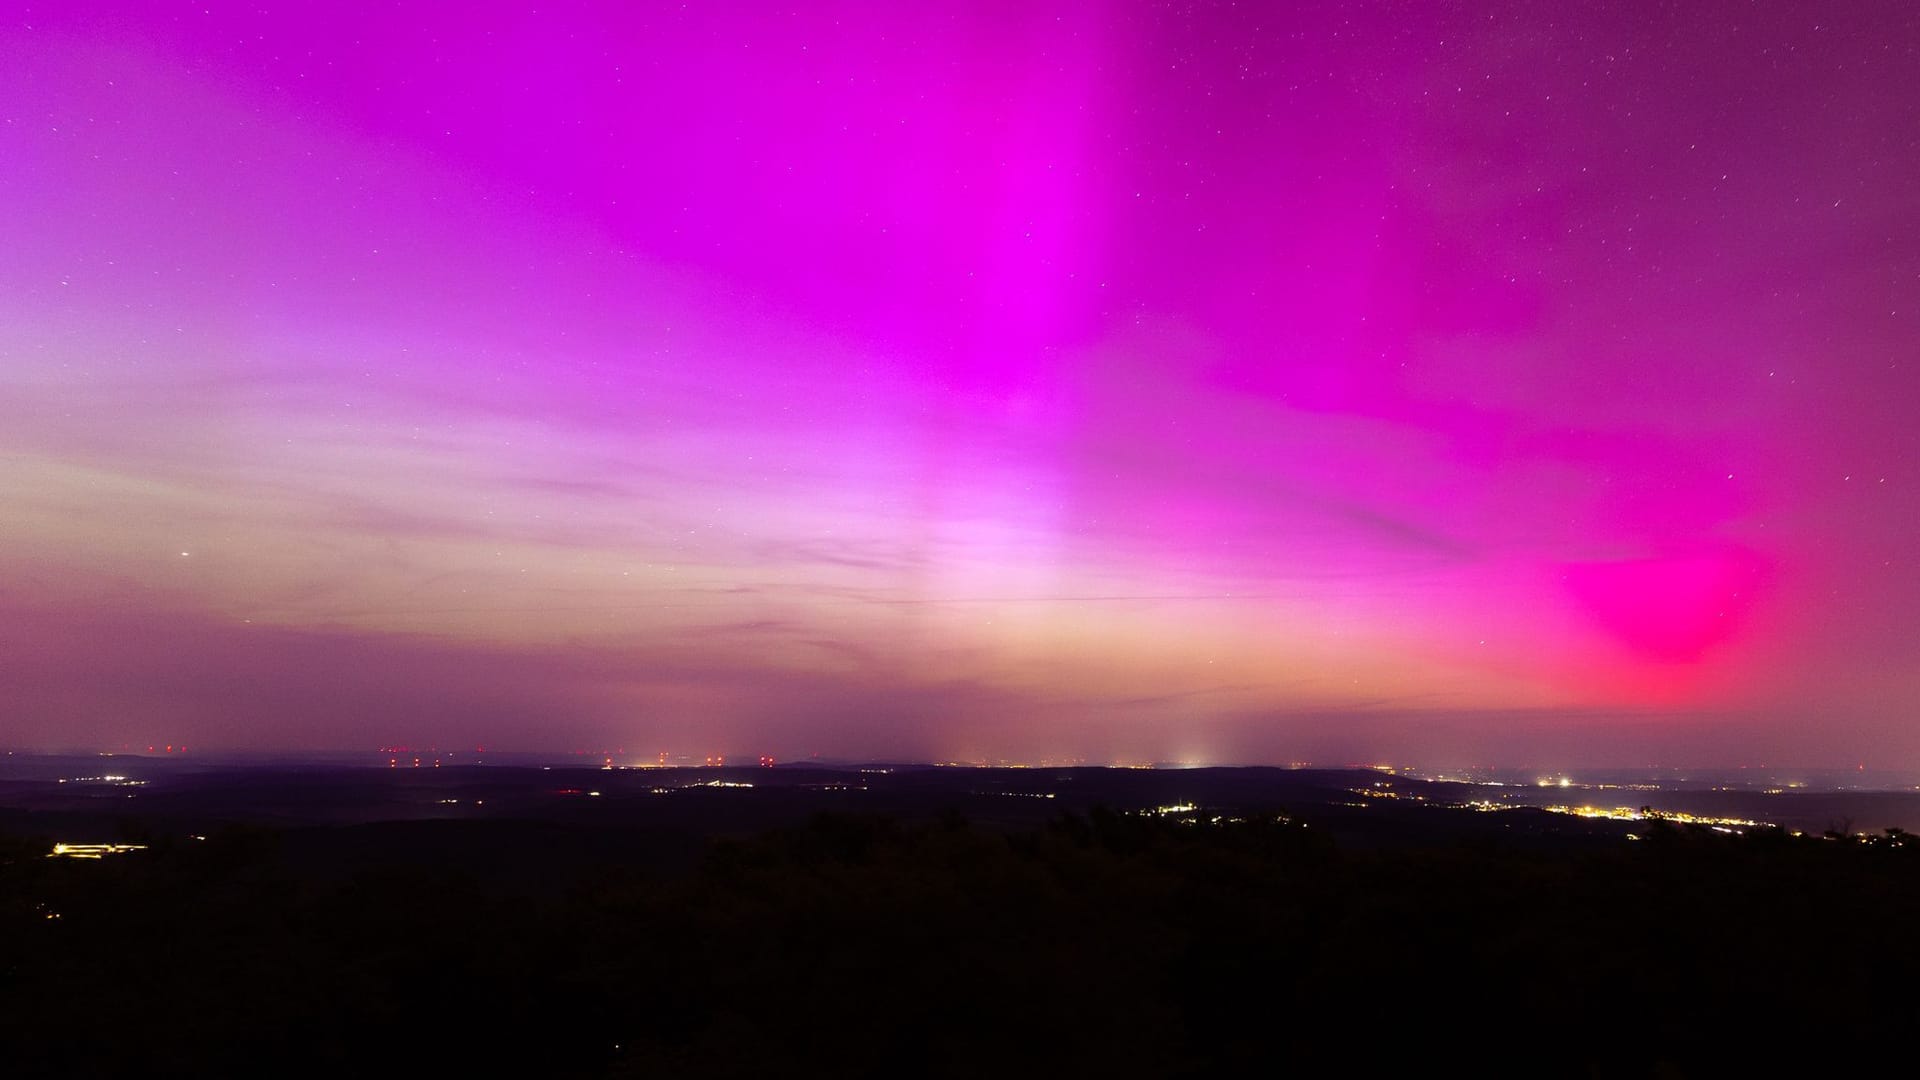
[[1436, 383]]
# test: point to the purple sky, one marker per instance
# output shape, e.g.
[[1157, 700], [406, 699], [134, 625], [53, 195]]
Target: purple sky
[[1433, 383]]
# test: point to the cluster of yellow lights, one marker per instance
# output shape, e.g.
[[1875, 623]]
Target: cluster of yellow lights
[[1188, 814], [1382, 791], [92, 851], [1623, 813], [702, 784]]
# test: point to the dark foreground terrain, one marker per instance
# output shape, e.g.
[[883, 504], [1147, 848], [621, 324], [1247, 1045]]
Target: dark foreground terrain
[[969, 927]]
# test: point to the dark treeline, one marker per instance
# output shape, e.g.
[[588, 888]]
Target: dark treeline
[[1107, 945]]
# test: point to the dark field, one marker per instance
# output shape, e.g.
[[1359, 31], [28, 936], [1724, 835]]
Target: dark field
[[947, 922]]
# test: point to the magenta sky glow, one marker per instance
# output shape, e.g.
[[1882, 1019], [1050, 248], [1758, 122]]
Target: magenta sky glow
[[1454, 383]]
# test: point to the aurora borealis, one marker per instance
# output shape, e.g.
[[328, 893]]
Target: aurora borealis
[[1107, 382]]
